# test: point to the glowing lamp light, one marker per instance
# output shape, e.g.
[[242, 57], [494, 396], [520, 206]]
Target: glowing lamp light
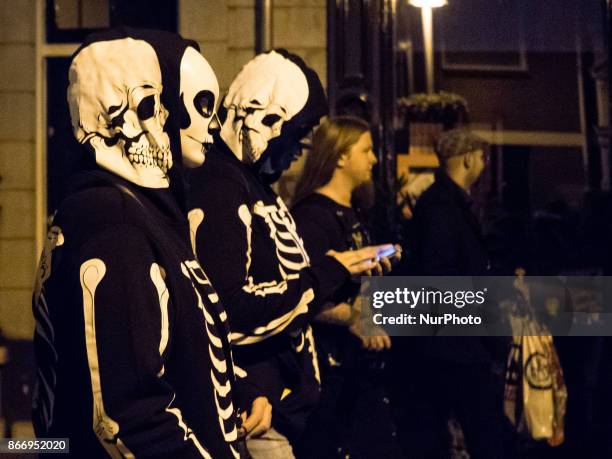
[[426, 16], [428, 3]]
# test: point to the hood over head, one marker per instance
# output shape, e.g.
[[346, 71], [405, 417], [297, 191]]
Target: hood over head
[[126, 105], [274, 101]]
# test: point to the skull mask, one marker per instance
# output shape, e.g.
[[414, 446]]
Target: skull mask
[[268, 91], [199, 94], [115, 106]]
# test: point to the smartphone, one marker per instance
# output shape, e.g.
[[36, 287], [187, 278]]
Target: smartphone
[[390, 252]]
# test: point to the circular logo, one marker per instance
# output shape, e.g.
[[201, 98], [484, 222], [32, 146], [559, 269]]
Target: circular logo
[[537, 371]]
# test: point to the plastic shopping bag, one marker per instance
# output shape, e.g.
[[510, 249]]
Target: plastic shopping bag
[[535, 395], [538, 397]]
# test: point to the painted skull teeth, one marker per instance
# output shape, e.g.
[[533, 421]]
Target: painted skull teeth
[[250, 151], [150, 156]]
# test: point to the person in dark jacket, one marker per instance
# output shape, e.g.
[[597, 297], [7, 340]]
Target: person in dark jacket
[[247, 239], [131, 340], [452, 376]]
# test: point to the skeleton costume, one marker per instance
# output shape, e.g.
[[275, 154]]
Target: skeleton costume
[[248, 241], [131, 340]]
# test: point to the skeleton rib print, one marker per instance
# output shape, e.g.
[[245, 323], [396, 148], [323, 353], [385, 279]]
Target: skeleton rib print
[[219, 371], [162, 291], [291, 256], [289, 246]]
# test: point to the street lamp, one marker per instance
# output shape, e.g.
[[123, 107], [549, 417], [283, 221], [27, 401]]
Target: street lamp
[[426, 16]]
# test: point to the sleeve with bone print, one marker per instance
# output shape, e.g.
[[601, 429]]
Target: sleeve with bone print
[[127, 319], [117, 343], [248, 243]]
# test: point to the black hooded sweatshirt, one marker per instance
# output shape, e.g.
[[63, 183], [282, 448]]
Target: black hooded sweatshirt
[[247, 240], [131, 340]]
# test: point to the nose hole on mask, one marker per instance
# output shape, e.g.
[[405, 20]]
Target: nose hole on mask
[[146, 108], [215, 124], [269, 120]]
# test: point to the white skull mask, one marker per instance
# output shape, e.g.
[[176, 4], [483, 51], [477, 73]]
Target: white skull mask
[[115, 106], [268, 91], [199, 94]]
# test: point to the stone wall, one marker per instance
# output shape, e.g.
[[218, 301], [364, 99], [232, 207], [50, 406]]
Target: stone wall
[[17, 166], [225, 30], [301, 27]]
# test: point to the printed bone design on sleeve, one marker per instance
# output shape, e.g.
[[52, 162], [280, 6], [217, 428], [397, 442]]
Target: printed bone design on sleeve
[[44, 333], [219, 368], [162, 292], [107, 429], [91, 274], [291, 256], [157, 277]]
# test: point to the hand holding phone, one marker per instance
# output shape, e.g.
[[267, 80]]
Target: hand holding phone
[[387, 251], [388, 256], [367, 259]]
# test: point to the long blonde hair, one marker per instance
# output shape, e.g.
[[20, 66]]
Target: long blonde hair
[[333, 138]]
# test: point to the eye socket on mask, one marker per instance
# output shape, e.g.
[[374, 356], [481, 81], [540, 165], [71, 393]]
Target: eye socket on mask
[[146, 107], [270, 119], [204, 102]]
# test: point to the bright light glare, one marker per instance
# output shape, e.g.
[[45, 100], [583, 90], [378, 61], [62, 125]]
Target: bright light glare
[[427, 3]]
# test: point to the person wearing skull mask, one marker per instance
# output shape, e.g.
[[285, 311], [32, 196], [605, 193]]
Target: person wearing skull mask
[[247, 239], [132, 342]]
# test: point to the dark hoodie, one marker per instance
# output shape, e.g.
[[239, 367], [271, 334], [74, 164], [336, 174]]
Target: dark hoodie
[[131, 340], [247, 239]]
